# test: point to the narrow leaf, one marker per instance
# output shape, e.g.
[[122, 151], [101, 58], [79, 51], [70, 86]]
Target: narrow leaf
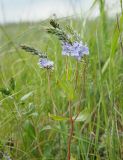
[[26, 96], [58, 118]]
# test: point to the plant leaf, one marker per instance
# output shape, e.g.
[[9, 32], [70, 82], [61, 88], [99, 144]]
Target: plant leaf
[[29, 129], [48, 127], [58, 118], [82, 117], [26, 96]]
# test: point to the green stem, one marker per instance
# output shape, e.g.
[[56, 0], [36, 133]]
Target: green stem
[[76, 74], [66, 67], [71, 131], [49, 91]]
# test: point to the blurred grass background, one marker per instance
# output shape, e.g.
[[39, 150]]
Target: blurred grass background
[[26, 129]]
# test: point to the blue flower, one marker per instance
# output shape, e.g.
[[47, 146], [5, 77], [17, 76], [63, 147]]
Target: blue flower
[[66, 49], [45, 63], [77, 49]]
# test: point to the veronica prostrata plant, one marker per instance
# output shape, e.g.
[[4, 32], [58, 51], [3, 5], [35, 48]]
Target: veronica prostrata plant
[[72, 46]]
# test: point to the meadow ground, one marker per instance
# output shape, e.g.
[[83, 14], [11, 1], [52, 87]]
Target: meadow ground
[[34, 103]]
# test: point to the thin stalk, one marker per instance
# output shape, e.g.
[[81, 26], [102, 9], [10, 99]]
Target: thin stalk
[[120, 38], [49, 91], [76, 74], [71, 131], [121, 6], [66, 67], [37, 138], [82, 95]]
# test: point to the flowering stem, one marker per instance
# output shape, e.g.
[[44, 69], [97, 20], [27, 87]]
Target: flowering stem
[[49, 90], [49, 85], [71, 131], [66, 67], [76, 74], [82, 95], [84, 77]]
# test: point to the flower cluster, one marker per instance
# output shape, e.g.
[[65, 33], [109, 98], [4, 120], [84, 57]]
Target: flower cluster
[[76, 49], [45, 63], [71, 43]]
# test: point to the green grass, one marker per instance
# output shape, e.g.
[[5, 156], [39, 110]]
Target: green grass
[[33, 116]]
